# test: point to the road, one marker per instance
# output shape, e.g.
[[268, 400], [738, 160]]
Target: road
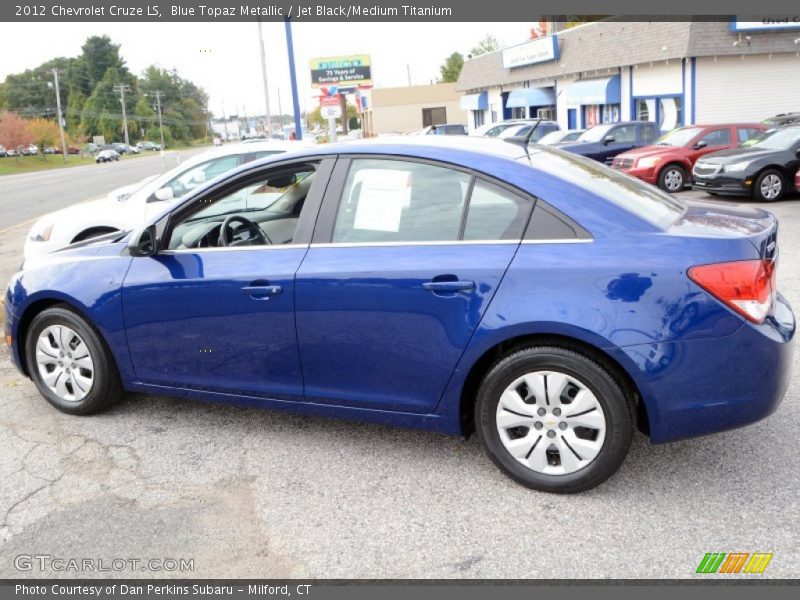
[[29, 195], [253, 493]]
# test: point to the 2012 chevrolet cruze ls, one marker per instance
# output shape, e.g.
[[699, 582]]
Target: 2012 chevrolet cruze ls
[[541, 298]]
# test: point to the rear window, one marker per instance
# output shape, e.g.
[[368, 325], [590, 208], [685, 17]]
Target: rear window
[[643, 200]]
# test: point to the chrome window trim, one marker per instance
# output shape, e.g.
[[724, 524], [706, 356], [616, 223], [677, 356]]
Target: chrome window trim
[[234, 248], [447, 243]]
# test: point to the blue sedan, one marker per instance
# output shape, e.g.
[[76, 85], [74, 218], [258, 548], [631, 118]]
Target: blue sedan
[[534, 296]]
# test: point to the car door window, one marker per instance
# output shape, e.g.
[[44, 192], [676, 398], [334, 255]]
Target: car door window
[[649, 134], [717, 137], [746, 133], [495, 213], [400, 201], [624, 134], [263, 211]]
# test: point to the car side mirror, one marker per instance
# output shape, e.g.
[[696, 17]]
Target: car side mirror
[[143, 242], [608, 139], [161, 195], [700, 144]]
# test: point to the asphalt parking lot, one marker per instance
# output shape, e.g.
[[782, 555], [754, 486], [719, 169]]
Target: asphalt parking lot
[[252, 493]]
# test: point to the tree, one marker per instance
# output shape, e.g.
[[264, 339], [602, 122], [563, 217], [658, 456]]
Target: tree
[[100, 55], [451, 68], [43, 133], [14, 131], [487, 44]]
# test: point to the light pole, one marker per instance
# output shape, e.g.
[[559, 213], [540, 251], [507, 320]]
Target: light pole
[[298, 126], [264, 76]]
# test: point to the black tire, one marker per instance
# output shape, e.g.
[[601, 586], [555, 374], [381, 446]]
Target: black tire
[[675, 171], [106, 387], [617, 408], [759, 195]]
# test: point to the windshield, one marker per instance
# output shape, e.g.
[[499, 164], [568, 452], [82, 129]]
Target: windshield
[[641, 199], [595, 134], [780, 139], [678, 137]]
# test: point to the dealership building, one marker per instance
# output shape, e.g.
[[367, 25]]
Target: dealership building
[[672, 73]]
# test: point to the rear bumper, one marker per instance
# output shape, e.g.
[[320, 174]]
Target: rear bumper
[[699, 387]]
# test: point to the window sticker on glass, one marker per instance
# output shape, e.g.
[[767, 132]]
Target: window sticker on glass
[[380, 195]]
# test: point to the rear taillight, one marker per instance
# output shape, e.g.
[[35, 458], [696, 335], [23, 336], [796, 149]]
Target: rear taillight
[[747, 286]]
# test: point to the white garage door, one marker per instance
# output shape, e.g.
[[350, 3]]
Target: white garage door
[[732, 89]]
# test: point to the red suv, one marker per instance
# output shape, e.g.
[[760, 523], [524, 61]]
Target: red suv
[[668, 163]]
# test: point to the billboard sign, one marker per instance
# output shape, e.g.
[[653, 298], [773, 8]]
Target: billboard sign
[[341, 70]]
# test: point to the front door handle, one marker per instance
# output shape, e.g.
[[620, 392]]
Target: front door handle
[[262, 292], [449, 286]]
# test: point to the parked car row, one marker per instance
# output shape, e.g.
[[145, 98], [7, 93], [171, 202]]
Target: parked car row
[[26, 150]]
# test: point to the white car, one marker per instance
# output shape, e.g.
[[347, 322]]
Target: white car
[[127, 207]]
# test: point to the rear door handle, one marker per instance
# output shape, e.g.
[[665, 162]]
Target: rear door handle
[[449, 286], [262, 292]]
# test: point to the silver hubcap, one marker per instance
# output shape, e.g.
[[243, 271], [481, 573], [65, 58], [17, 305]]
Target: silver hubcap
[[771, 186], [551, 422], [64, 363], [673, 179]]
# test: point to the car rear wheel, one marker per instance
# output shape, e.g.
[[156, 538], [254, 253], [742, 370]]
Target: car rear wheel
[[554, 420], [769, 186], [672, 178], [70, 364]]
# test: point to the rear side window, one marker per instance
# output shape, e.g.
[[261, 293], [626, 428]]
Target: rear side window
[[386, 201], [649, 134], [400, 201], [746, 133], [494, 213]]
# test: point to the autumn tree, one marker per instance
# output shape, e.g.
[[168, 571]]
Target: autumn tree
[[43, 133], [14, 131]]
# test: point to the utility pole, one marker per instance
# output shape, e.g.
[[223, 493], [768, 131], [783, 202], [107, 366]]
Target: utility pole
[[264, 75], [408, 72], [60, 123], [122, 88], [160, 123]]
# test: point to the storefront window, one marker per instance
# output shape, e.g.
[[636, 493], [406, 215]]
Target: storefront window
[[611, 113], [670, 113], [591, 115], [477, 116]]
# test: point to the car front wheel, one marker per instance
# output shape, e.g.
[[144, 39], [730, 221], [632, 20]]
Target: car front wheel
[[769, 186], [69, 363], [554, 420], [672, 178]]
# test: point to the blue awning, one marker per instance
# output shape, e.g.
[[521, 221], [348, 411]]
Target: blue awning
[[530, 97], [604, 90], [475, 101]]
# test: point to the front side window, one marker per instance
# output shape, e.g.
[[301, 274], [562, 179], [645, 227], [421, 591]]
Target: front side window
[[400, 201], [717, 137], [262, 211], [625, 134]]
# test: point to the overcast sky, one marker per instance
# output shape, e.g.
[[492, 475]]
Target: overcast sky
[[224, 58]]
